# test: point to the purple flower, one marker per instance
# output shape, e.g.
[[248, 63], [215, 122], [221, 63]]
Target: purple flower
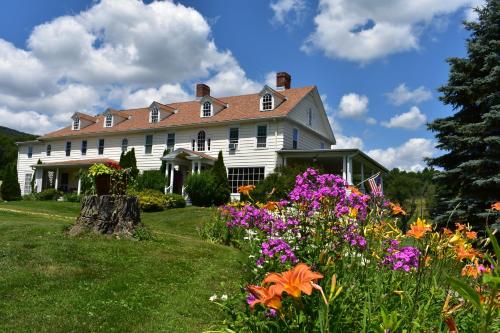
[[277, 248], [404, 258]]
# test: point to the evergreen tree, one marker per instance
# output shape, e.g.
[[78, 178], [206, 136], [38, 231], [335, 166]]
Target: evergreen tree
[[222, 191], [470, 137], [163, 167], [10, 187], [127, 160]]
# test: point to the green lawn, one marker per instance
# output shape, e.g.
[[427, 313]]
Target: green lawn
[[50, 282]]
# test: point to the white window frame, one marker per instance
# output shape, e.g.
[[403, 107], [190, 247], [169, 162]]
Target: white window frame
[[237, 141], [202, 113], [48, 150], [310, 117], [166, 141], [257, 135], [321, 145], [108, 117], [197, 139], [66, 151], [157, 111], [124, 140], [99, 146], [30, 152], [28, 177], [262, 102], [146, 144], [76, 121], [245, 173], [84, 153], [295, 130]]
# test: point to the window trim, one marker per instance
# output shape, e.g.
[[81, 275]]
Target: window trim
[[84, 152], [146, 144], [124, 145], [67, 148], [310, 117], [239, 181], [107, 117], [167, 138], [211, 111], [48, 150], [257, 136], [29, 153], [27, 185], [295, 143], [237, 142], [99, 148], [204, 140], [262, 102], [157, 111], [76, 120]]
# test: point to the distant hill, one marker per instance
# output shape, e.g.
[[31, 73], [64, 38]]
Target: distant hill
[[8, 148]]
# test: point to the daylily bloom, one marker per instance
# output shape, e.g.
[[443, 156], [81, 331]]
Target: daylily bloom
[[271, 205], [474, 270], [466, 252], [397, 210], [496, 206], [419, 229], [266, 296], [471, 234], [354, 190], [246, 189], [295, 281]]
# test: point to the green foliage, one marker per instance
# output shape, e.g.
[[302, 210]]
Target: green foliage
[[222, 191], [8, 148], [99, 169], [49, 194], [163, 167], [87, 185], [128, 160], [151, 179], [150, 200], [72, 197], [174, 200], [10, 189], [470, 138], [200, 188]]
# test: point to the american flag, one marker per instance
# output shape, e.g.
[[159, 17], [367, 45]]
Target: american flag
[[376, 188]]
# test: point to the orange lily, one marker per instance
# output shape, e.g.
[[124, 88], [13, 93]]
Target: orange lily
[[271, 205], [266, 296], [354, 190], [397, 210], [295, 281], [464, 252], [419, 229], [246, 189], [496, 206], [471, 234]]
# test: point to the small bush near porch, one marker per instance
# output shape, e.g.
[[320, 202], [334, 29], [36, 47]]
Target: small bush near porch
[[53, 283]]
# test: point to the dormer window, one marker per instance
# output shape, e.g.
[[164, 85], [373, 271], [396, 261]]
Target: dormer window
[[155, 115], [267, 102], [207, 109], [108, 122], [76, 124]]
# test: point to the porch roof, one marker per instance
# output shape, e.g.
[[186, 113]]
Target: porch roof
[[189, 154], [325, 153], [74, 163]]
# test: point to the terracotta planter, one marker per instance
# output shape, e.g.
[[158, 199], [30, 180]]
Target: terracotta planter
[[103, 184]]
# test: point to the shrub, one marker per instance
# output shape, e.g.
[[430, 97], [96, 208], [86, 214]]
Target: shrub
[[71, 197], [222, 191], [10, 189], [200, 188], [150, 200], [128, 160], [151, 179], [175, 201], [49, 194]]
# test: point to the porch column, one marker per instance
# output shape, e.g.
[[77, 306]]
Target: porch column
[[199, 166], [38, 180], [349, 170], [193, 167], [284, 161], [166, 176], [344, 167], [362, 187], [79, 188], [171, 178], [56, 182]]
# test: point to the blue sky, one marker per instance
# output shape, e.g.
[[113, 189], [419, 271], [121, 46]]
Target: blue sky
[[377, 64]]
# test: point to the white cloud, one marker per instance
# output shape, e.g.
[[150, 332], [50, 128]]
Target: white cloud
[[412, 119], [364, 30], [288, 12], [408, 156], [26, 121], [470, 13], [371, 121], [353, 105], [116, 52], [401, 95], [348, 142]]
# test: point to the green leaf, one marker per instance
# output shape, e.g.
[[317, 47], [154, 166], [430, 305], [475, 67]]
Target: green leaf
[[465, 291]]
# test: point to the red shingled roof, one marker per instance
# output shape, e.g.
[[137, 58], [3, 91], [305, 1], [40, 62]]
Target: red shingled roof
[[238, 108]]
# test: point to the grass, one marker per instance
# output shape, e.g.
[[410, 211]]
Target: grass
[[50, 282]]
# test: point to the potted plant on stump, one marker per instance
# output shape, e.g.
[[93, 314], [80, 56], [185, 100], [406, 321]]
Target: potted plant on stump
[[102, 178]]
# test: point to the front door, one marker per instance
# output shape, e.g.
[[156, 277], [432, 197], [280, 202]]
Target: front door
[[178, 181], [64, 182]]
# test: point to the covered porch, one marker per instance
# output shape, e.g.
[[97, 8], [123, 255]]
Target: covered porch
[[64, 175], [352, 164], [180, 164]]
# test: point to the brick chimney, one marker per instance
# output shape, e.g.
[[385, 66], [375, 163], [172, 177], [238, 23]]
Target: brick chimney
[[283, 80], [202, 90]]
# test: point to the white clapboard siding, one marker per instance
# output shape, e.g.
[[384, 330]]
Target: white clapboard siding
[[320, 122], [307, 138]]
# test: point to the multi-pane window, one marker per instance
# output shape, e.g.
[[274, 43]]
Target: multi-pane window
[[27, 183], [155, 115], [100, 147], [267, 102], [322, 145], [209, 142], [234, 136], [261, 136], [30, 151], [207, 109], [68, 148], [201, 140], [124, 145], [49, 150], [193, 145], [295, 138], [76, 124], [310, 117], [244, 176], [170, 140], [148, 145], [109, 120], [83, 148]]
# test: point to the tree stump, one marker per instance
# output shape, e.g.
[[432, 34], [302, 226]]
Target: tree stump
[[108, 214]]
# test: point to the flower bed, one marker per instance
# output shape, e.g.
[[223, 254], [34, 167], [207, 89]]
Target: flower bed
[[333, 259]]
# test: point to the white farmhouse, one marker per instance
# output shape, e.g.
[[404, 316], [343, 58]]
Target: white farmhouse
[[256, 133]]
